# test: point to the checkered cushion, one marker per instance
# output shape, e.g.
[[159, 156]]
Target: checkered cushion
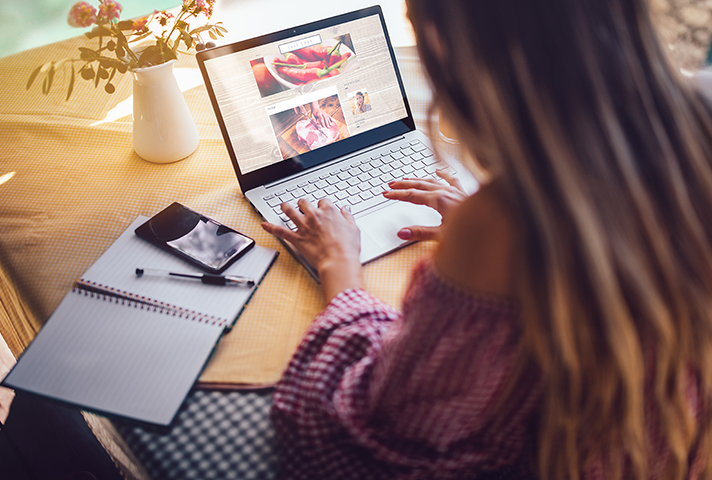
[[216, 435]]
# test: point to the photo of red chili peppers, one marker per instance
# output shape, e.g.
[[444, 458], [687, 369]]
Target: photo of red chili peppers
[[309, 64]]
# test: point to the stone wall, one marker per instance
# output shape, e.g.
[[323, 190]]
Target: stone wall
[[686, 25]]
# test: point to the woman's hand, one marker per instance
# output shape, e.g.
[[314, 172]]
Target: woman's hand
[[329, 240], [432, 193]]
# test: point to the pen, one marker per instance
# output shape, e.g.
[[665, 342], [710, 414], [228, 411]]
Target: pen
[[205, 277]]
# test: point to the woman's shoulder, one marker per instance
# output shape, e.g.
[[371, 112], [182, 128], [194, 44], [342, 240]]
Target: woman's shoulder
[[478, 250]]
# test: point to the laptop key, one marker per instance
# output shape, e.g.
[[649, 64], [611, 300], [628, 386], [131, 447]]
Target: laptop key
[[407, 151], [377, 199], [366, 195], [273, 202]]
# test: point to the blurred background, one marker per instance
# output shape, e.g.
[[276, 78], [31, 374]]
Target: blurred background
[[28, 24], [685, 25]]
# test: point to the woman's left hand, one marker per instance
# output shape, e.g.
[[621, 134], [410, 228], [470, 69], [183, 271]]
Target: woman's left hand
[[329, 239]]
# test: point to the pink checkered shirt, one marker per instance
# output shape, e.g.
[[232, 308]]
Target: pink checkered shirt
[[375, 394]]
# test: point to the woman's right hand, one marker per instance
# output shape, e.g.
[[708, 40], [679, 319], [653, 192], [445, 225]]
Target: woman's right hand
[[432, 193]]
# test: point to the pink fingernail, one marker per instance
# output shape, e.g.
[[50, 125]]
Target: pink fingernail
[[405, 233]]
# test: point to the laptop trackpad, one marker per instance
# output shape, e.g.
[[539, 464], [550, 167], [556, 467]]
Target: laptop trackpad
[[379, 229]]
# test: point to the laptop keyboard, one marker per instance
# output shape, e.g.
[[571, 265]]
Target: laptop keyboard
[[360, 182]]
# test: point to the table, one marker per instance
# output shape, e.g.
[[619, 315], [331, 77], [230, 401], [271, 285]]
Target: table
[[77, 183], [71, 183]]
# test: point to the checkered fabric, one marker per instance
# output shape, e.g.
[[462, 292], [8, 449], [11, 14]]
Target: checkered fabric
[[216, 435]]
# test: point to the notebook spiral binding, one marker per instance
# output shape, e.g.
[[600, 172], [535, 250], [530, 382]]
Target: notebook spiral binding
[[97, 290]]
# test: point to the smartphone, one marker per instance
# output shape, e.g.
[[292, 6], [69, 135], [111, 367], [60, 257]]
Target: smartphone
[[195, 238]]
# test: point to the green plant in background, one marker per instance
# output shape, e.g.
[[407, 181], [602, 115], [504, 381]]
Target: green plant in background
[[128, 44]]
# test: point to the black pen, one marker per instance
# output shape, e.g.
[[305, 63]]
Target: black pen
[[205, 277]]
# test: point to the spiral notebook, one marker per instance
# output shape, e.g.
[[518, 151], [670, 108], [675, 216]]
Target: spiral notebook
[[133, 347]]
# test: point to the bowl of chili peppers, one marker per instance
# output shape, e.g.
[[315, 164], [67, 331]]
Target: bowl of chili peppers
[[310, 64]]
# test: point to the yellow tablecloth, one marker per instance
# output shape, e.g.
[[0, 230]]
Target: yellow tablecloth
[[76, 184]]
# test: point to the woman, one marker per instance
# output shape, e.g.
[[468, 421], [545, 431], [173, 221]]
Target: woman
[[361, 105], [563, 328]]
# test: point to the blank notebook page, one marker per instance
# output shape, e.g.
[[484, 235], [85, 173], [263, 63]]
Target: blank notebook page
[[81, 356]]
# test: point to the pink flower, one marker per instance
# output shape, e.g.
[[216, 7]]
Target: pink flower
[[199, 6], [140, 24], [110, 9], [81, 15]]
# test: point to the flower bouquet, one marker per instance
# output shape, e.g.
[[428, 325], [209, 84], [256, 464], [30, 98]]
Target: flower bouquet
[[124, 45]]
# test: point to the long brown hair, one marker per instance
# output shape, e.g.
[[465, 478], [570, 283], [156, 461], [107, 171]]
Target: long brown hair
[[604, 153]]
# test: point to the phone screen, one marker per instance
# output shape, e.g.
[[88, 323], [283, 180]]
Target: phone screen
[[195, 237], [210, 243]]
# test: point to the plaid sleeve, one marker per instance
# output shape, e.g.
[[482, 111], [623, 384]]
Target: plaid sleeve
[[372, 393]]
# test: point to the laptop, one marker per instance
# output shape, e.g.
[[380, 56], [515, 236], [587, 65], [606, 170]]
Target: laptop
[[320, 111]]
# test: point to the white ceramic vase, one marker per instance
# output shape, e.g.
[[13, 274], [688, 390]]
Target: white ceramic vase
[[163, 129]]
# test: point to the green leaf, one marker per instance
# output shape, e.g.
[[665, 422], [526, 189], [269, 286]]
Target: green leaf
[[141, 37], [33, 76], [70, 89], [99, 32], [149, 56], [187, 39], [169, 55], [125, 25], [201, 29], [87, 54]]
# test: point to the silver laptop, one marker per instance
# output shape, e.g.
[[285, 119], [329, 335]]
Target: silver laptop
[[320, 111]]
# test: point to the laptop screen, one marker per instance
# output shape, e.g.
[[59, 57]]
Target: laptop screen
[[297, 98]]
